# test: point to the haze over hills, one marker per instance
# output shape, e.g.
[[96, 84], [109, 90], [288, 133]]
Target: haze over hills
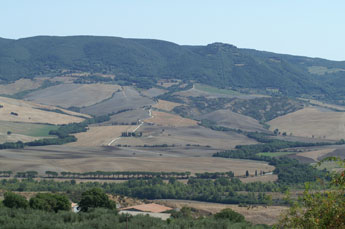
[[145, 61]]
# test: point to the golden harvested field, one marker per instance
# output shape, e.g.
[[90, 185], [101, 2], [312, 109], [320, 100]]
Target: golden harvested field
[[27, 113], [311, 121], [99, 135], [257, 215], [166, 105], [67, 95], [20, 85], [166, 119]]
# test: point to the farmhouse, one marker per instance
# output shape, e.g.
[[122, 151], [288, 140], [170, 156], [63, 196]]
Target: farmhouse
[[153, 210]]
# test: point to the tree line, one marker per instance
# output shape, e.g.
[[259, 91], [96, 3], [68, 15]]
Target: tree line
[[120, 175], [219, 190]]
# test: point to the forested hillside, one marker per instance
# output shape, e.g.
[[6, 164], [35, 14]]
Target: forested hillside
[[145, 61]]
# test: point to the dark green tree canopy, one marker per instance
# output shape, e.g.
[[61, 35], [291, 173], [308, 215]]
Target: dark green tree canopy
[[12, 200], [228, 213], [50, 202], [95, 198]]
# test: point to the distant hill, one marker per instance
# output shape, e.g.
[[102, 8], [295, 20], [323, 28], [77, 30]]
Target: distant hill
[[144, 61]]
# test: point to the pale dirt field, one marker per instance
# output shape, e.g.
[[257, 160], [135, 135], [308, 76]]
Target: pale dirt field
[[67, 95], [20, 85], [166, 105], [316, 154], [257, 215], [311, 121], [99, 135], [27, 113], [166, 119]]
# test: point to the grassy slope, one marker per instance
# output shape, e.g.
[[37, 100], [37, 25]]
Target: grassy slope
[[29, 129]]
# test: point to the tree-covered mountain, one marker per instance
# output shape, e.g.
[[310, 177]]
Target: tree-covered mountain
[[144, 60]]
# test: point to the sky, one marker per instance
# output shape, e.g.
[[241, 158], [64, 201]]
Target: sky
[[312, 28]]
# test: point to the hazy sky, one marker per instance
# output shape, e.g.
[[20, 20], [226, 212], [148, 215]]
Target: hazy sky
[[313, 28]]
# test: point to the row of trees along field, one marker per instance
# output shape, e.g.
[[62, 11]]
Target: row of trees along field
[[220, 190], [119, 175]]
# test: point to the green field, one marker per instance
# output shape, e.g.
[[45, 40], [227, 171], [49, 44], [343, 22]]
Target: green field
[[210, 89], [275, 154], [29, 129]]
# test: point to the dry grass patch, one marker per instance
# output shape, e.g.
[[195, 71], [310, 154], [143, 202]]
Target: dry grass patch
[[166, 105], [313, 123], [27, 112], [166, 119]]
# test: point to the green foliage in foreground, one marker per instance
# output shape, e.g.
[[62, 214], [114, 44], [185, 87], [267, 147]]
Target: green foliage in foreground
[[323, 209], [105, 219]]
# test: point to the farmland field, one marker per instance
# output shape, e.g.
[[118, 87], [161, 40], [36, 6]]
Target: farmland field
[[78, 95], [83, 159], [313, 123], [19, 86], [99, 135], [166, 119], [184, 136], [22, 111], [127, 98], [256, 214], [166, 105], [29, 129], [233, 120]]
